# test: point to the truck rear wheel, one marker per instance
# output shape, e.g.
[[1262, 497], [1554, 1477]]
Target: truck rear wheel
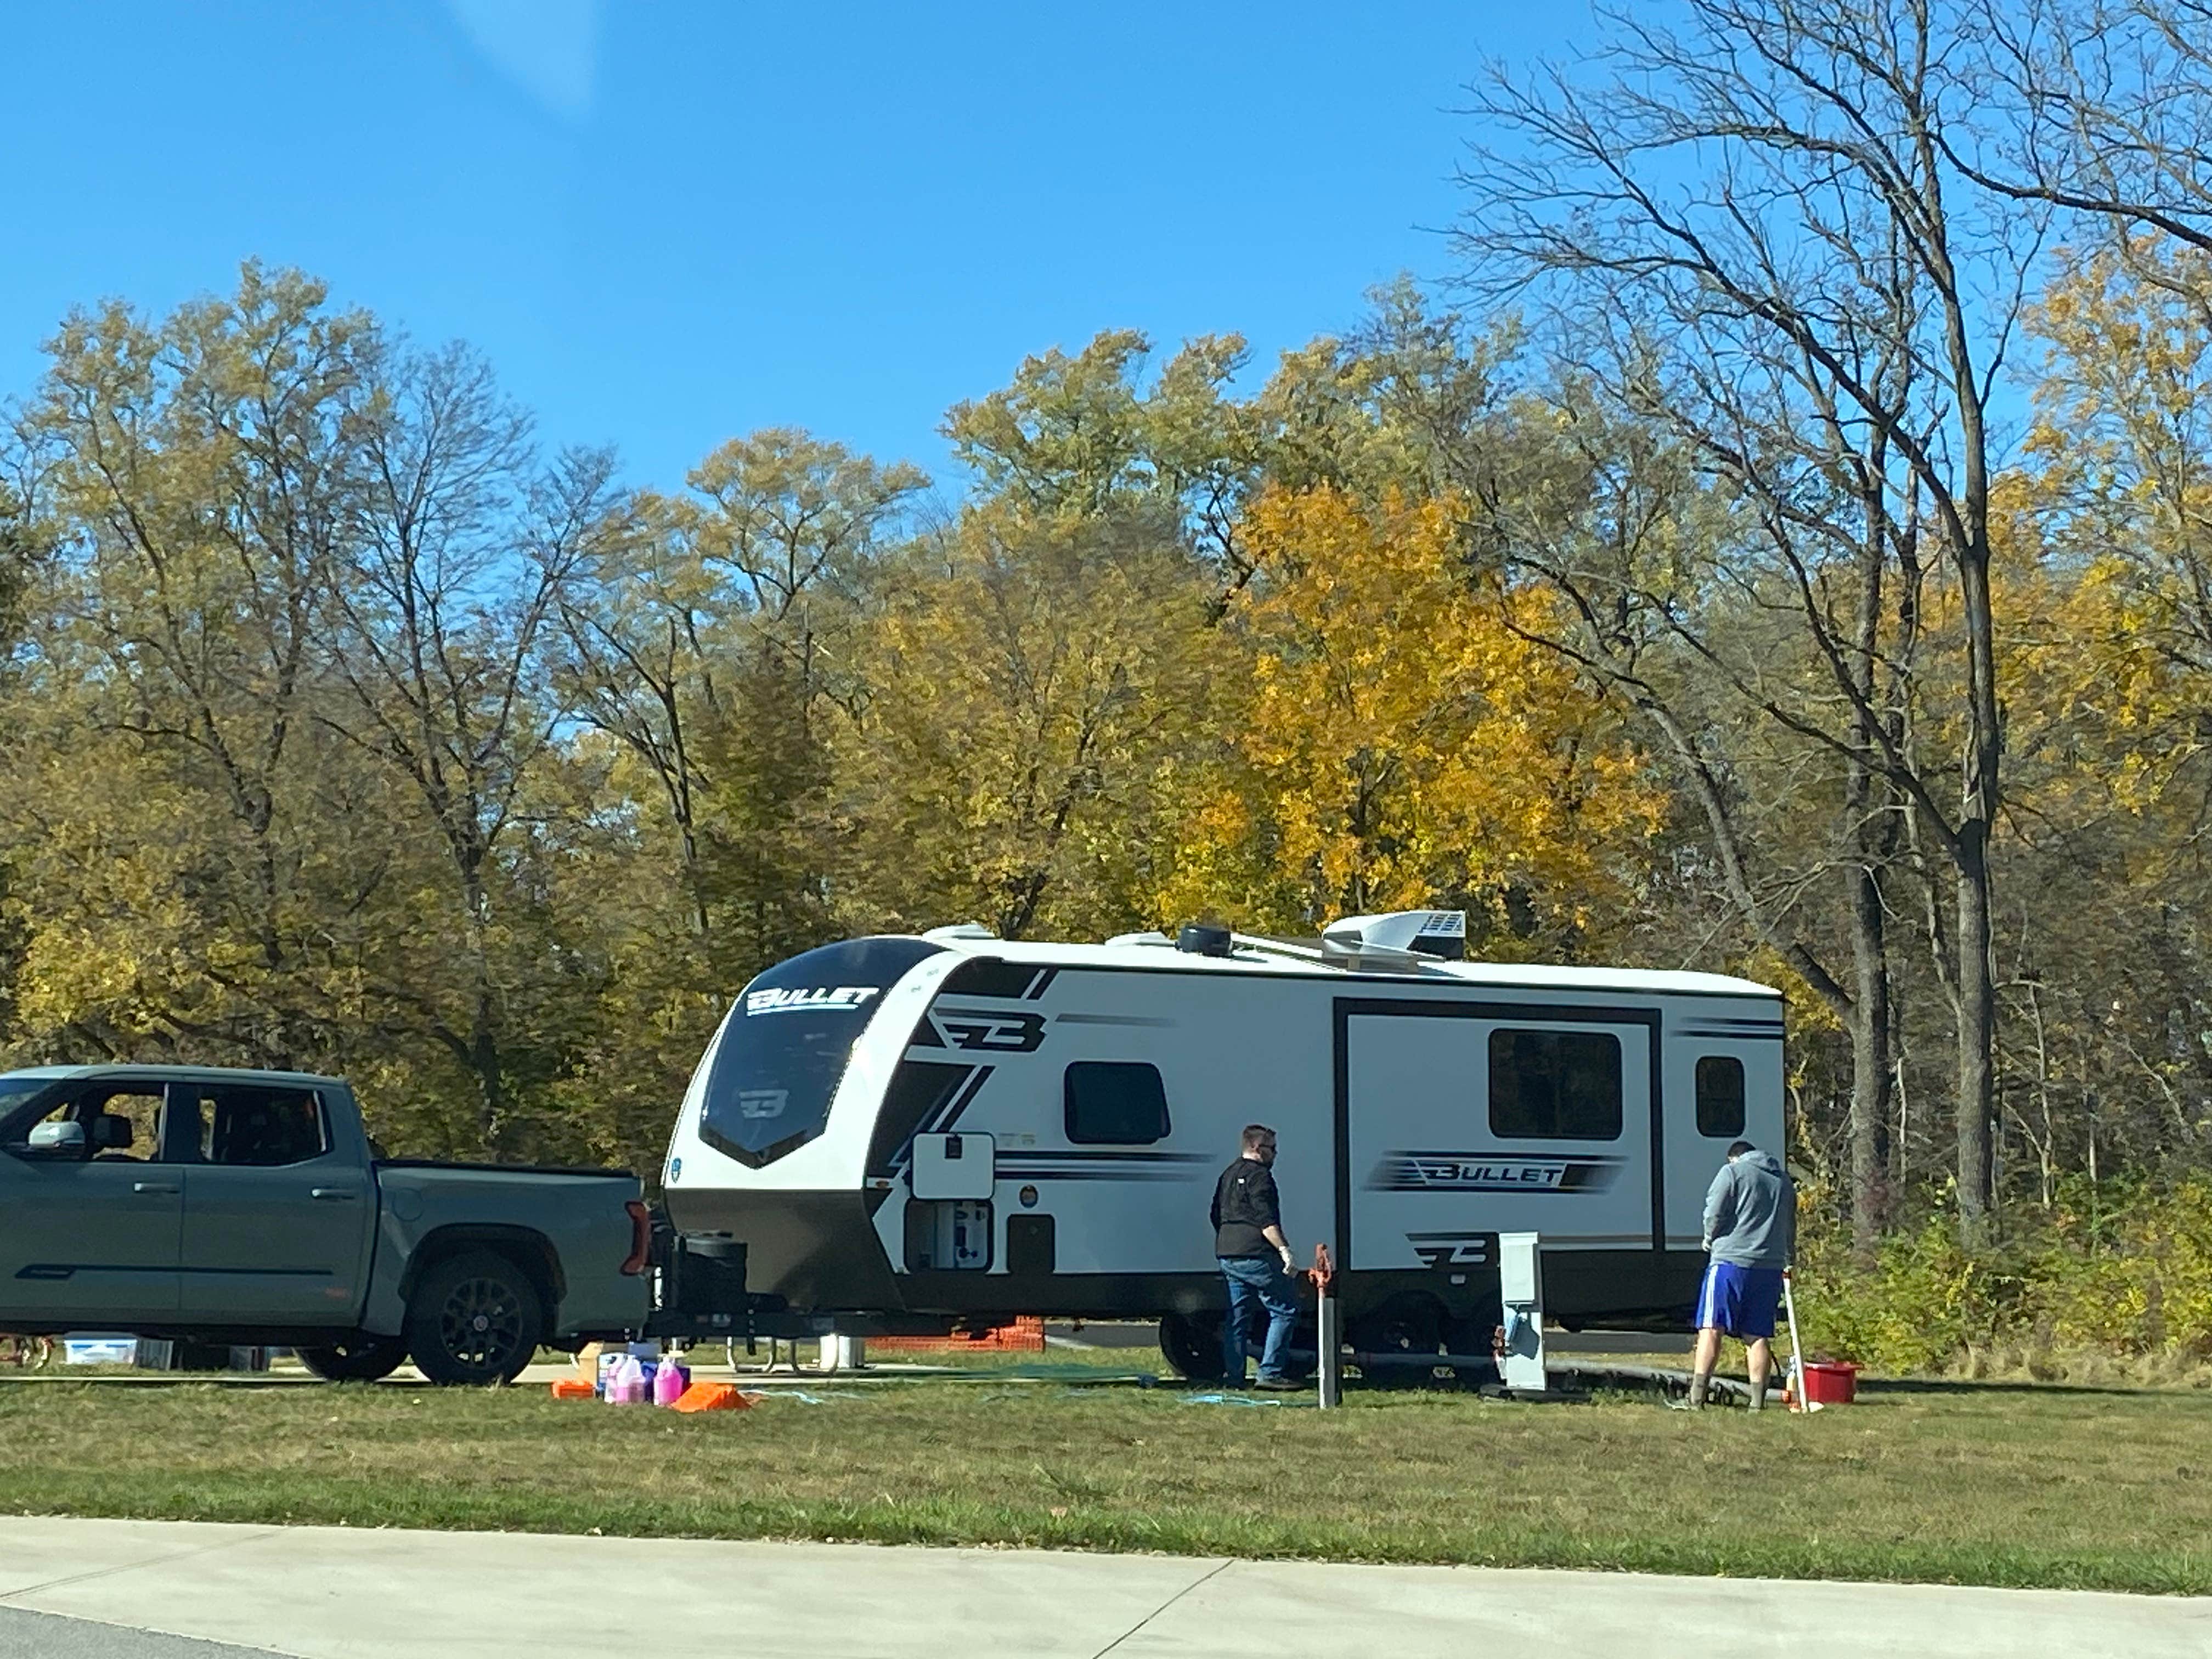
[[360, 1357], [474, 1318], [1192, 1344]]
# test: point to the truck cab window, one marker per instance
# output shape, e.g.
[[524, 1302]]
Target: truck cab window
[[260, 1127], [1720, 1095], [1111, 1103], [16, 1091], [1554, 1085], [121, 1125]]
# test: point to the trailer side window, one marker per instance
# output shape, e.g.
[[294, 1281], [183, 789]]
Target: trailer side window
[[1554, 1085], [1116, 1103], [1720, 1095]]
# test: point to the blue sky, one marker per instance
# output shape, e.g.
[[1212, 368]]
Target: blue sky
[[668, 223]]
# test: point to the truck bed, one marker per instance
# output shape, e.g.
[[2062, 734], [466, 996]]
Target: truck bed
[[477, 1167]]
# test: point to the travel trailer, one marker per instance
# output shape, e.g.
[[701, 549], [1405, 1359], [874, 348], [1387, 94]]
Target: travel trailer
[[960, 1126]]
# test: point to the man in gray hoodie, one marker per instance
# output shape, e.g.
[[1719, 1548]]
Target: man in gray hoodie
[[1751, 1228]]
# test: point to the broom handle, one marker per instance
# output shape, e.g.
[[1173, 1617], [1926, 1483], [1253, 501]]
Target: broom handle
[[1796, 1353]]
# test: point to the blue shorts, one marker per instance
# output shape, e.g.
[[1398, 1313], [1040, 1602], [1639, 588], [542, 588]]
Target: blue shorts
[[1742, 1300]]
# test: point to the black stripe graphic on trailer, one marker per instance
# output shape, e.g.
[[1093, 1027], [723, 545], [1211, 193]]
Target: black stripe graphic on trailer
[[1498, 1155], [1464, 1172], [1029, 1155], [989, 976], [1166, 1175], [1043, 981], [919, 1090], [962, 1101]]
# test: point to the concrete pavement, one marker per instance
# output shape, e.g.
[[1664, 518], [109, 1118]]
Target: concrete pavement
[[335, 1593], [44, 1636]]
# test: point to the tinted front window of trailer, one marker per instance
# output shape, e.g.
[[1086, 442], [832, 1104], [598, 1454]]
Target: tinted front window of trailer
[[1554, 1085], [1720, 1095], [781, 1053], [1114, 1103]]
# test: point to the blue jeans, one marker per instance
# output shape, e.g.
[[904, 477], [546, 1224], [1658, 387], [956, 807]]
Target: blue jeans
[[1252, 1278]]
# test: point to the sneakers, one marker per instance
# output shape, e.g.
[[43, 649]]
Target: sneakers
[[1279, 1385]]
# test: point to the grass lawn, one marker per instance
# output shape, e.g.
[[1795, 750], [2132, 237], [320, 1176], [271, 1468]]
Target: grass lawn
[[2019, 1486]]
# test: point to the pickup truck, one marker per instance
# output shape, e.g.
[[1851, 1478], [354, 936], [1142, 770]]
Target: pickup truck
[[251, 1207]]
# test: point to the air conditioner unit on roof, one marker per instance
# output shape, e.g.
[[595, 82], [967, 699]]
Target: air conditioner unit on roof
[[1437, 934]]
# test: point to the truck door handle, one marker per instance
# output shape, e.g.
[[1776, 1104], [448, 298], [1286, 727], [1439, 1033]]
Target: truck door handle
[[153, 1186], [333, 1195]]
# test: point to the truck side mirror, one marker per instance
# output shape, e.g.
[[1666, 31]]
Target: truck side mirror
[[56, 1140]]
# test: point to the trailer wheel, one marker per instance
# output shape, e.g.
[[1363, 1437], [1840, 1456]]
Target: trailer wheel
[[1469, 1336], [1406, 1324], [474, 1318], [360, 1357], [1192, 1344]]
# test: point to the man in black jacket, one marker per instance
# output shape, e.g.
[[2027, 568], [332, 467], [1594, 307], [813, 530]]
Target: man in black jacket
[[1255, 1258]]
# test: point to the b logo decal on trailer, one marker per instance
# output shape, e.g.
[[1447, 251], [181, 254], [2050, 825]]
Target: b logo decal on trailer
[[1454, 1249], [989, 1030], [1472, 1172], [758, 1104]]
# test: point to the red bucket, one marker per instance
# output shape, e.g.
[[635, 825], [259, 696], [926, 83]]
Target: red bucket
[[1830, 1383]]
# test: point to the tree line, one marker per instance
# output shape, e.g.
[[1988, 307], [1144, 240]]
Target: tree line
[[1783, 549]]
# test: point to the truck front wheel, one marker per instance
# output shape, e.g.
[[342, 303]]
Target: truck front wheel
[[474, 1318], [360, 1357]]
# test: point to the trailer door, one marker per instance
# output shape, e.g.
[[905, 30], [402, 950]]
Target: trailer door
[[1457, 1121], [1725, 1084]]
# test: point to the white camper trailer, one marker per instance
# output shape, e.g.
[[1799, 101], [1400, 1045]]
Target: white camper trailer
[[958, 1125]]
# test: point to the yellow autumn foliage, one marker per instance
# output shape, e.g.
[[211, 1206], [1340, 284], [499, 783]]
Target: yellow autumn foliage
[[1403, 744]]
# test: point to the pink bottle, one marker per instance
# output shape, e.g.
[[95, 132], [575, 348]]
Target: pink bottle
[[668, 1382], [627, 1386]]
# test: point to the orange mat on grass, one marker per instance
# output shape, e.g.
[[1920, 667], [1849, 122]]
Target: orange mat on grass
[[1025, 1335], [704, 1396]]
